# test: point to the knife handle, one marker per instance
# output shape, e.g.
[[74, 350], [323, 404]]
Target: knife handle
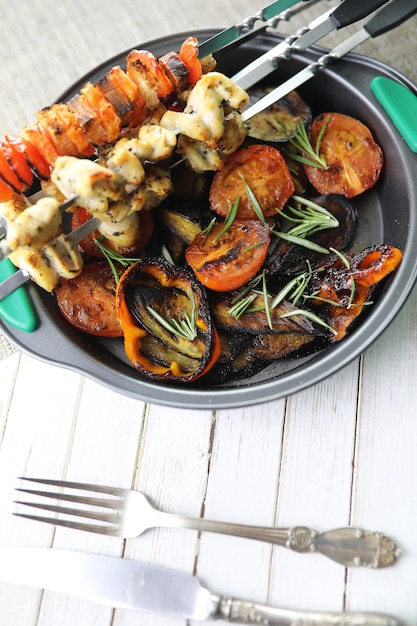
[[246, 612], [351, 11], [394, 14]]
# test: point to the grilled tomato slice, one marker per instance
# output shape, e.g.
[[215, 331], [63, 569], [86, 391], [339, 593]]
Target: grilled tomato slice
[[354, 159], [264, 170], [223, 261], [166, 321]]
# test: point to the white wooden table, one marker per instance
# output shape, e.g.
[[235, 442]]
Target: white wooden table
[[342, 452]]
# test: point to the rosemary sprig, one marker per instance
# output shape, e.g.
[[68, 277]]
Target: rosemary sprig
[[298, 137], [311, 316], [242, 305], [113, 257], [230, 218], [266, 303], [294, 289], [186, 328], [309, 220], [253, 200]]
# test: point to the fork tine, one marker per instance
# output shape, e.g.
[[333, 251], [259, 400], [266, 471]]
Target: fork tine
[[109, 504], [91, 528], [114, 491], [110, 518]]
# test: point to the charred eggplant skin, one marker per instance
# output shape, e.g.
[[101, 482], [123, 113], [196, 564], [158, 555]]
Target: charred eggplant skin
[[290, 259], [154, 285]]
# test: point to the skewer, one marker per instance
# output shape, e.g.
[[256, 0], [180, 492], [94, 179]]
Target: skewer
[[396, 12]]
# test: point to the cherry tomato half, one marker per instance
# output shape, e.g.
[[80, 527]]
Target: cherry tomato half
[[223, 262], [354, 159], [264, 170]]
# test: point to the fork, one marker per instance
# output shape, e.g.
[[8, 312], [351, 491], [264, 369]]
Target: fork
[[127, 513]]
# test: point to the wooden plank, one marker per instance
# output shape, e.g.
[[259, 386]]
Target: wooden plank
[[172, 470], [386, 466], [242, 488], [315, 488], [26, 448], [103, 450]]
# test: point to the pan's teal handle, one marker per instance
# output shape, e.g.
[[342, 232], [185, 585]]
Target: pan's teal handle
[[17, 308], [400, 103]]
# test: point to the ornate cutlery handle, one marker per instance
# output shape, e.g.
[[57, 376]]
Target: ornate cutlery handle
[[244, 612], [351, 547]]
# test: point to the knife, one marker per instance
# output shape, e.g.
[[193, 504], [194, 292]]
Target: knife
[[393, 14], [227, 36], [347, 13], [126, 584]]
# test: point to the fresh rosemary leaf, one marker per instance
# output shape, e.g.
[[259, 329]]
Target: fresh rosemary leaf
[[311, 316], [266, 303], [301, 242], [254, 202], [242, 305], [230, 218], [185, 328], [298, 137], [113, 257]]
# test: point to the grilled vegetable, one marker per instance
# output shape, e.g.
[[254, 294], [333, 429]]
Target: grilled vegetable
[[256, 320], [226, 258], [88, 301], [342, 286], [289, 259], [280, 119], [166, 322], [186, 222], [353, 158], [260, 167]]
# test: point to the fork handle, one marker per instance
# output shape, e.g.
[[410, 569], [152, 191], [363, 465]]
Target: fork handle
[[348, 546]]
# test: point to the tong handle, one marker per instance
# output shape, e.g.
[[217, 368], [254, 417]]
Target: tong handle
[[351, 11], [394, 14], [17, 308]]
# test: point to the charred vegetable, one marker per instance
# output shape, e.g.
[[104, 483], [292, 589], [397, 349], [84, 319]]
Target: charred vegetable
[[289, 258], [260, 168], [276, 330], [88, 301], [353, 159], [227, 257], [340, 289], [166, 322], [271, 125]]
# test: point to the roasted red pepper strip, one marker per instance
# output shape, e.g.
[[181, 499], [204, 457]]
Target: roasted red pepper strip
[[189, 55], [152, 290]]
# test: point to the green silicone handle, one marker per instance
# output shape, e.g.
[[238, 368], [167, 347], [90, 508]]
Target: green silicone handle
[[400, 103], [17, 308]]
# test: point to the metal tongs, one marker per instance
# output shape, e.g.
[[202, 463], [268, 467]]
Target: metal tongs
[[347, 12]]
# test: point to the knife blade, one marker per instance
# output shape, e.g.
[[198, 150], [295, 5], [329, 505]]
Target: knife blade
[[347, 13], [228, 35], [389, 17], [127, 584]]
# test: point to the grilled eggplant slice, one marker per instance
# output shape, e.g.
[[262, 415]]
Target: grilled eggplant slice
[[289, 259], [255, 321], [168, 330], [288, 113], [184, 219]]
